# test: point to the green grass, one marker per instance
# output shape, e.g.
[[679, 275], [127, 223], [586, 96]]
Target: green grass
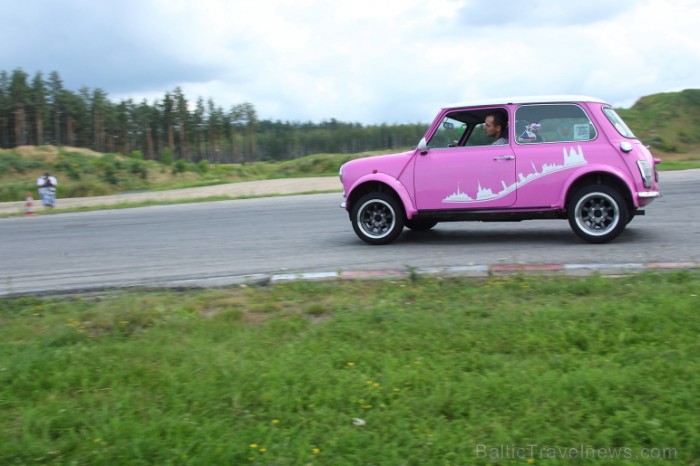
[[439, 371], [679, 164]]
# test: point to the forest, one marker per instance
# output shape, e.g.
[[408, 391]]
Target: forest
[[35, 110]]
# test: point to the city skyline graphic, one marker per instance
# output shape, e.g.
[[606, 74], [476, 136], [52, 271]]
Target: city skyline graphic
[[571, 159]]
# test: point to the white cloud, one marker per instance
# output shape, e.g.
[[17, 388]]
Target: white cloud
[[367, 61]]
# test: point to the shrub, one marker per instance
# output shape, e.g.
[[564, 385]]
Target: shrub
[[11, 162], [110, 174], [166, 156], [179, 167], [203, 166], [138, 167], [83, 189], [14, 191], [657, 142]]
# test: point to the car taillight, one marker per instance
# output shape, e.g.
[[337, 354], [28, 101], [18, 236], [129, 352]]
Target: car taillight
[[646, 172], [656, 171]]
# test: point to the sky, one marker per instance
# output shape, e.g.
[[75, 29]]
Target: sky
[[370, 62]]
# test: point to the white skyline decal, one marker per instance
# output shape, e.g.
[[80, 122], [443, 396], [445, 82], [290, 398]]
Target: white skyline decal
[[574, 158]]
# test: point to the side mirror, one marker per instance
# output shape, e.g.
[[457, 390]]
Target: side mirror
[[626, 147], [423, 146]]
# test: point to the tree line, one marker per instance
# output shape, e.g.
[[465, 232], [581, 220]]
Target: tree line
[[39, 111]]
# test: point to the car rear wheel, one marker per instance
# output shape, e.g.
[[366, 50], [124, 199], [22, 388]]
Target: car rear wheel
[[377, 218], [597, 213]]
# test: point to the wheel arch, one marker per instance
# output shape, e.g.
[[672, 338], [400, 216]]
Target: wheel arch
[[601, 178], [386, 185]]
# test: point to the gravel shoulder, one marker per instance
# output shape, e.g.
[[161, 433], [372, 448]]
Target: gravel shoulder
[[233, 190]]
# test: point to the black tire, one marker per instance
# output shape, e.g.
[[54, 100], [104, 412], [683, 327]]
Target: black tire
[[377, 218], [420, 225], [597, 213]]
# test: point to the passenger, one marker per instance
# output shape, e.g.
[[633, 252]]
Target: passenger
[[495, 126]]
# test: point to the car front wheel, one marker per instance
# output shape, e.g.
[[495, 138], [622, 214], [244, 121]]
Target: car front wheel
[[597, 213], [377, 218]]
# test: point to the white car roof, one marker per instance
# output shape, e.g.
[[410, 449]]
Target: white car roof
[[537, 99]]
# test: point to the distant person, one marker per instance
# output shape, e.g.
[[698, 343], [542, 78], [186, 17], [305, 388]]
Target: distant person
[[495, 126], [47, 189]]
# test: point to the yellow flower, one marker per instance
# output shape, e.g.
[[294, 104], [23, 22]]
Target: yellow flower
[[531, 461], [253, 445], [262, 450], [275, 421], [351, 364], [315, 451]]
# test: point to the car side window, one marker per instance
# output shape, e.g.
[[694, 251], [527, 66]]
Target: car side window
[[617, 122], [448, 134], [478, 137], [552, 123], [464, 128]]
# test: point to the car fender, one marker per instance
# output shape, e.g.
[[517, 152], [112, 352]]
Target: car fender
[[593, 169], [392, 183]]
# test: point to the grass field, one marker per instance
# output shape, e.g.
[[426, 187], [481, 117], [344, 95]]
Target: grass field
[[438, 371]]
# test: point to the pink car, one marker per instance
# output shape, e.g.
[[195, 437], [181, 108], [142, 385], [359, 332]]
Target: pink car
[[558, 157]]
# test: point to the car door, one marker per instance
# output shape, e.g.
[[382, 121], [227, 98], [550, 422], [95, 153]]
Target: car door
[[477, 177], [550, 141]]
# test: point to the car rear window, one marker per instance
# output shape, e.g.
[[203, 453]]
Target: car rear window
[[544, 123]]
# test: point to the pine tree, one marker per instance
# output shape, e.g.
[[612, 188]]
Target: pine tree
[[20, 98], [39, 106]]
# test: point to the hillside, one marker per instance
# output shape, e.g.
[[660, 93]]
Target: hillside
[[668, 122]]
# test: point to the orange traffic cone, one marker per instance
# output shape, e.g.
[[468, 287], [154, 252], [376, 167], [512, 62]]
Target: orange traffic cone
[[29, 204]]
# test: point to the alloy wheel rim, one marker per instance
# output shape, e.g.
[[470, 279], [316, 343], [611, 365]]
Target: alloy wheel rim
[[376, 218], [597, 214]]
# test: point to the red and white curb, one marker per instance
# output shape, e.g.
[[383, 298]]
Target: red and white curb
[[467, 271]]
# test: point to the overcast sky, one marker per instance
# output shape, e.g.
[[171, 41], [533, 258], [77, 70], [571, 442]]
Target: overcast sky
[[378, 61]]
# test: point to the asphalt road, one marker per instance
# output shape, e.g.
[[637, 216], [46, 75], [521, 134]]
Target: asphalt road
[[217, 243]]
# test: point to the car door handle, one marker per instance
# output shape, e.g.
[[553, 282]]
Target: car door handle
[[505, 157]]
